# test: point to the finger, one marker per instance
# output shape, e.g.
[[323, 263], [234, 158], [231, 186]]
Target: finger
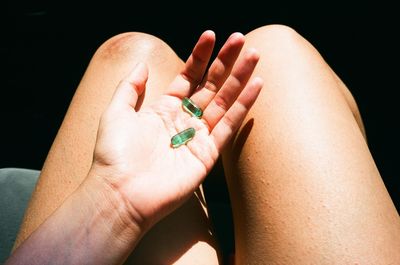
[[234, 117], [231, 89], [219, 70], [194, 68], [131, 87]]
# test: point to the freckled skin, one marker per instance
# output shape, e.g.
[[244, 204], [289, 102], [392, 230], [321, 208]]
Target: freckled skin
[[303, 184], [304, 187]]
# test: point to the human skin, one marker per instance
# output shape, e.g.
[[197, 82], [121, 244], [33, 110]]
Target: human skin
[[310, 192], [70, 156], [137, 178], [303, 184]]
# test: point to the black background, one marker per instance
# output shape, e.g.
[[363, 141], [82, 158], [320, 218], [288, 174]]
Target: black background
[[48, 46]]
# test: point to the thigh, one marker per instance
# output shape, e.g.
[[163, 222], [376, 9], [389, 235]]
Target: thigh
[[303, 184], [70, 156]]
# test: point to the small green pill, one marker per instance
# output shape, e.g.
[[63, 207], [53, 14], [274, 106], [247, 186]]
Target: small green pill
[[183, 137], [192, 108]]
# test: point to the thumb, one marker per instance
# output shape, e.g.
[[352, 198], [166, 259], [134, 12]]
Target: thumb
[[131, 87]]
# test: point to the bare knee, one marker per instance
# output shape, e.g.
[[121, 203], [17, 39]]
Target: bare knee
[[117, 56], [285, 52], [277, 38], [131, 45]]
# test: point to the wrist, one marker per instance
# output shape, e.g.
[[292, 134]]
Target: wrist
[[112, 210], [92, 226]]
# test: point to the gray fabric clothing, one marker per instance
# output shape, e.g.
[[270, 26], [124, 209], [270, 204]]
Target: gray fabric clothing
[[16, 186]]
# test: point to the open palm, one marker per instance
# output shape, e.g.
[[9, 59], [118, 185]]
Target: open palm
[[134, 147]]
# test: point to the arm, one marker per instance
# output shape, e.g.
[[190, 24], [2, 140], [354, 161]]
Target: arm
[[91, 227]]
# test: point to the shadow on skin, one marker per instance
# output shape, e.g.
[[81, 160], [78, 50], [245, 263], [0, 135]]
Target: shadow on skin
[[175, 242]]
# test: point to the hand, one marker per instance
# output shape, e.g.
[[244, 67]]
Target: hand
[[133, 152]]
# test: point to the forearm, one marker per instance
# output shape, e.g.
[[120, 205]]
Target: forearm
[[90, 227]]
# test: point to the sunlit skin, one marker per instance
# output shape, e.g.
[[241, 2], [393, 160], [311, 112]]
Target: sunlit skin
[[135, 168], [303, 184], [166, 177]]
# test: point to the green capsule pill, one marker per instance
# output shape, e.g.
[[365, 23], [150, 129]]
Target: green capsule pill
[[191, 107], [183, 137]]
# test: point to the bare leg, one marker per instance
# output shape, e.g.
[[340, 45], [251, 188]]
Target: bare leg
[[303, 184], [71, 153]]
